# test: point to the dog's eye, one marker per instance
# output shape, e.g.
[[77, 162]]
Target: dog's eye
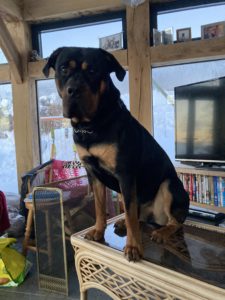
[[64, 70]]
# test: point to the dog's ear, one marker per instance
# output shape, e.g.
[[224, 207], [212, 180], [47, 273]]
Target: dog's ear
[[51, 61], [114, 66]]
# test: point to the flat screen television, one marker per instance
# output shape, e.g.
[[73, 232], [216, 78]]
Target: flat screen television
[[200, 122]]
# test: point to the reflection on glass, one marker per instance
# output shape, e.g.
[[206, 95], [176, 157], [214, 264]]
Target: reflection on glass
[[55, 131], [8, 173], [204, 114], [182, 107]]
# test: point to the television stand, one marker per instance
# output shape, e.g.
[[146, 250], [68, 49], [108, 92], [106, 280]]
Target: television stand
[[205, 165]]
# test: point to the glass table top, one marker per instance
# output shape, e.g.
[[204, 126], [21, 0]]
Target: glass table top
[[193, 251]]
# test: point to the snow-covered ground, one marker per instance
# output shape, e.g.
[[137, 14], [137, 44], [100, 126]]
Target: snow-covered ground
[[8, 173]]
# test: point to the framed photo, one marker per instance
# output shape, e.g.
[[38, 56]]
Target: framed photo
[[167, 36], [184, 34], [157, 37], [111, 42], [213, 30]]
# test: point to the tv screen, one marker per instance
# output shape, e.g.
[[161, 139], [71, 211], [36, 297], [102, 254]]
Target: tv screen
[[200, 121]]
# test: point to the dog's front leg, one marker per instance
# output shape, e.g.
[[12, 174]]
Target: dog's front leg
[[133, 249], [97, 233]]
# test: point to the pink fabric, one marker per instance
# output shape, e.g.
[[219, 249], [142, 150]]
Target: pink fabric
[[4, 218], [62, 170]]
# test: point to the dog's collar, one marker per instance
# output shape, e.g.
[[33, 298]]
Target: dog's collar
[[83, 131]]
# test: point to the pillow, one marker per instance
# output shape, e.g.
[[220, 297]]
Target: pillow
[[61, 170]]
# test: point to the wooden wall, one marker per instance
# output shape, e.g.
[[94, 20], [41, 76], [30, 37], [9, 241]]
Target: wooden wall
[[138, 58]]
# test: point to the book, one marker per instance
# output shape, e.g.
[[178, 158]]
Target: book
[[211, 190], [223, 191], [215, 179]]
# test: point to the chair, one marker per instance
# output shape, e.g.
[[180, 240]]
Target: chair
[[77, 196]]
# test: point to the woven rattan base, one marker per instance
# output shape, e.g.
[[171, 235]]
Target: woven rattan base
[[191, 267]]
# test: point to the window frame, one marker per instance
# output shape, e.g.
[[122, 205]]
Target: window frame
[[38, 29], [169, 7]]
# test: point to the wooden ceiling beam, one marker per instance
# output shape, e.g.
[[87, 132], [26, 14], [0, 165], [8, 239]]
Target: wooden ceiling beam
[[34, 10], [10, 10], [11, 52]]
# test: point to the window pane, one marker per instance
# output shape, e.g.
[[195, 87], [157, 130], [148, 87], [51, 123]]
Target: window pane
[[123, 87], [85, 36], [54, 127], [3, 59], [193, 18], [164, 81], [8, 170]]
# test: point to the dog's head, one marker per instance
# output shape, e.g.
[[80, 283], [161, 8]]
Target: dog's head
[[82, 76]]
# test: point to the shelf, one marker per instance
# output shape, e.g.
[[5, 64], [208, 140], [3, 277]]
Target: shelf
[[204, 172], [212, 207], [188, 52], [201, 171]]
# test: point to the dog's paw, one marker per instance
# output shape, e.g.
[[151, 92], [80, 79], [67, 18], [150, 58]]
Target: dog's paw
[[120, 228], [133, 253], [160, 236], [120, 224], [95, 235]]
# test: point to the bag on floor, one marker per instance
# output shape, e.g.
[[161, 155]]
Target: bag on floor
[[13, 265]]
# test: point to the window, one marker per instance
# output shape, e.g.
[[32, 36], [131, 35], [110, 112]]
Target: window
[[3, 59], [8, 170], [187, 14], [56, 133], [81, 32], [164, 81]]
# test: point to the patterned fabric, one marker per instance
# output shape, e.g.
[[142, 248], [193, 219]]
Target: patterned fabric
[[61, 170]]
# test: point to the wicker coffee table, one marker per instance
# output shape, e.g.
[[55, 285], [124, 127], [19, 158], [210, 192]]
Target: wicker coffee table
[[191, 266]]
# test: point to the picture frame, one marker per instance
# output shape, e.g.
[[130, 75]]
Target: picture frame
[[183, 34], [157, 37], [111, 42], [213, 30], [167, 36]]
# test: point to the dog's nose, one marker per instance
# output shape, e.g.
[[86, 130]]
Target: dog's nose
[[71, 91]]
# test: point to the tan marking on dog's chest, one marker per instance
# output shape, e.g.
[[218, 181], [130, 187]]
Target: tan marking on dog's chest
[[106, 154], [82, 152]]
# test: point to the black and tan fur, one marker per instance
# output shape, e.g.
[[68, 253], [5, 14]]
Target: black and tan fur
[[115, 149]]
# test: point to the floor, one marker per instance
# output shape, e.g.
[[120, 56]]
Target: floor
[[29, 290]]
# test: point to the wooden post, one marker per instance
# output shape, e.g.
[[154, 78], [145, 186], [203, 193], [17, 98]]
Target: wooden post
[[10, 50], [24, 105], [139, 63]]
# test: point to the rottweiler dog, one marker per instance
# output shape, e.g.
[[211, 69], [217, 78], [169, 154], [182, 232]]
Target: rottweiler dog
[[116, 150]]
